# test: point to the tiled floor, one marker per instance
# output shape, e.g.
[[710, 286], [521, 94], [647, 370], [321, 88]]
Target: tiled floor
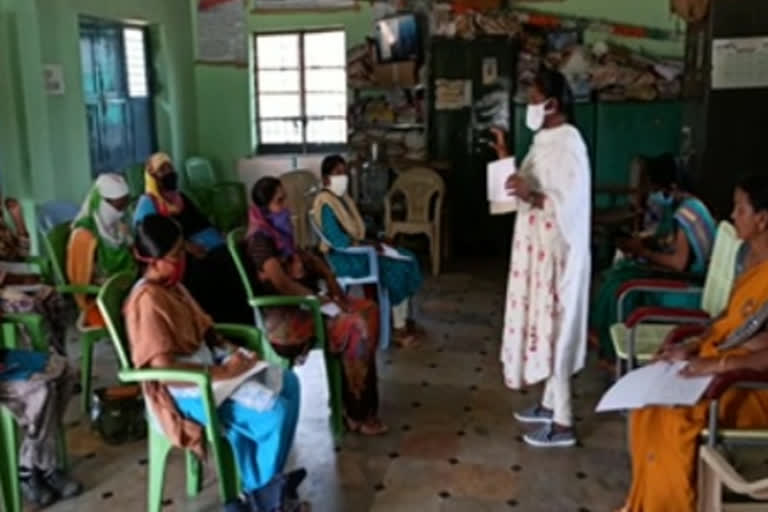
[[453, 444]]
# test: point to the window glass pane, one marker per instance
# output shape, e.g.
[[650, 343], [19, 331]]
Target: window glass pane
[[279, 81], [280, 132], [135, 62], [326, 80], [327, 131], [320, 104], [277, 51], [279, 105], [324, 49]]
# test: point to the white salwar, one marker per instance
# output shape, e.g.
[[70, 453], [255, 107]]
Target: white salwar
[[545, 324]]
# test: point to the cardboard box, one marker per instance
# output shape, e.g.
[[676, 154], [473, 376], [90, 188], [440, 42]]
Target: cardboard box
[[402, 74]]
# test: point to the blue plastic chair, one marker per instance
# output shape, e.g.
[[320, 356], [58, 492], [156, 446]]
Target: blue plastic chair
[[53, 213], [385, 329]]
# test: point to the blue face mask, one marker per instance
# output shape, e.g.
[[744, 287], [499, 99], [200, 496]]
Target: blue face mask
[[661, 199]]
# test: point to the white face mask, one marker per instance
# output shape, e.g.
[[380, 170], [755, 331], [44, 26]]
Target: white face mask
[[535, 115], [110, 215], [338, 184]]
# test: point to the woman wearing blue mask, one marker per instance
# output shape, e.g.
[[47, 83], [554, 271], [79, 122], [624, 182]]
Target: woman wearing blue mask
[[278, 267], [682, 241]]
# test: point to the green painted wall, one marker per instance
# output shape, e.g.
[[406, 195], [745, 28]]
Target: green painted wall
[[44, 146], [226, 126]]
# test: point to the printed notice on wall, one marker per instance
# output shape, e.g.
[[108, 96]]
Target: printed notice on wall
[[222, 33], [452, 94], [740, 63]]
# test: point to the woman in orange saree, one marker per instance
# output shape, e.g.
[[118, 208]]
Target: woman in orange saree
[[664, 439]]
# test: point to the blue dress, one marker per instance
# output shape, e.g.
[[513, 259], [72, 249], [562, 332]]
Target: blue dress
[[400, 277]]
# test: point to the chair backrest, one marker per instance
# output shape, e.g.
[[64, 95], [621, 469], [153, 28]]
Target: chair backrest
[[229, 205], [234, 241], [110, 301], [419, 186], [722, 270], [318, 231], [134, 176], [55, 243], [297, 185], [53, 213], [199, 173]]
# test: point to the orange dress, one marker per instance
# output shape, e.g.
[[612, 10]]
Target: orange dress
[[664, 439]]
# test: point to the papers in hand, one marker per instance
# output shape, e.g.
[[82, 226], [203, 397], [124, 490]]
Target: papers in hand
[[656, 384], [330, 309], [391, 252], [499, 200], [223, 389]]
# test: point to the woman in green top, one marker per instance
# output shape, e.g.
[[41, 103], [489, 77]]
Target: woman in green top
[[101, 241]]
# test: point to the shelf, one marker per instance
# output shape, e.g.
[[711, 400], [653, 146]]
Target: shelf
[[389, 126]]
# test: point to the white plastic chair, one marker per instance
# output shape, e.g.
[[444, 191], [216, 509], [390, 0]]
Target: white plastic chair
[[385, 326], [714, 474], [296, 184], [420, 186]]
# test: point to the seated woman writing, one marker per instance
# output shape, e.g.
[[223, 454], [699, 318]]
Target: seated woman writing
[[664, 439], [39, 299], [337, 215], [36, 389], [211, 276], [100, 243], [168, 329], [682, 242], [278, 267]]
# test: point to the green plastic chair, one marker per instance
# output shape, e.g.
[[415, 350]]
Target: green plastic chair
[[223, 201], [110, 301], [55, 243], [332, 364], [9, 454], [9, 438]]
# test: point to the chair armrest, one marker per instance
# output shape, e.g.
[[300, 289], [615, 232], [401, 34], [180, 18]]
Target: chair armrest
[[78, 289], [251, 336], [365, 250], [653, 285], [726, 474], [670, 315], [682, 332], [737, 378], [197, 377], [284, 300]]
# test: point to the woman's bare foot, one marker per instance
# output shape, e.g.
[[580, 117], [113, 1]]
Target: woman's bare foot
[[373, 427], [403, 338]]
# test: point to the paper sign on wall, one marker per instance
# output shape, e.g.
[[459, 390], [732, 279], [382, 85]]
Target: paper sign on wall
[[740, 63], [490, 70], [53, 78]]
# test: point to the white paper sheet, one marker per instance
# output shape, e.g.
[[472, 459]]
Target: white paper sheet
[[740, 63], [655, 384], [330, 309], [391, 252], [498, 172], [223, 389]]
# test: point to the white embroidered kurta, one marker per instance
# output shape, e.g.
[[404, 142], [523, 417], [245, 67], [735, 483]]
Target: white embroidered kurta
[[545, 324]]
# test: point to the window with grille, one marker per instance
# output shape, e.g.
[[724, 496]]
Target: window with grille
[[301, 91], [135, 62]]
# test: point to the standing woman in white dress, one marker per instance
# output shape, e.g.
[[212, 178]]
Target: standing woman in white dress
[[545, 324]]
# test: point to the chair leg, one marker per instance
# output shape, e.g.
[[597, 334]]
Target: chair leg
[[333, 371], [194, 475], [159, 448], [385, 318], [226, 468], [9, 465], [86, 369], [434, 242]]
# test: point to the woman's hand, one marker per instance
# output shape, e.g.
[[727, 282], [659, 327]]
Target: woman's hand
[[700, 367], [675, 353], [237, 364], [500, 143], [633, 246], [517, 186]]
